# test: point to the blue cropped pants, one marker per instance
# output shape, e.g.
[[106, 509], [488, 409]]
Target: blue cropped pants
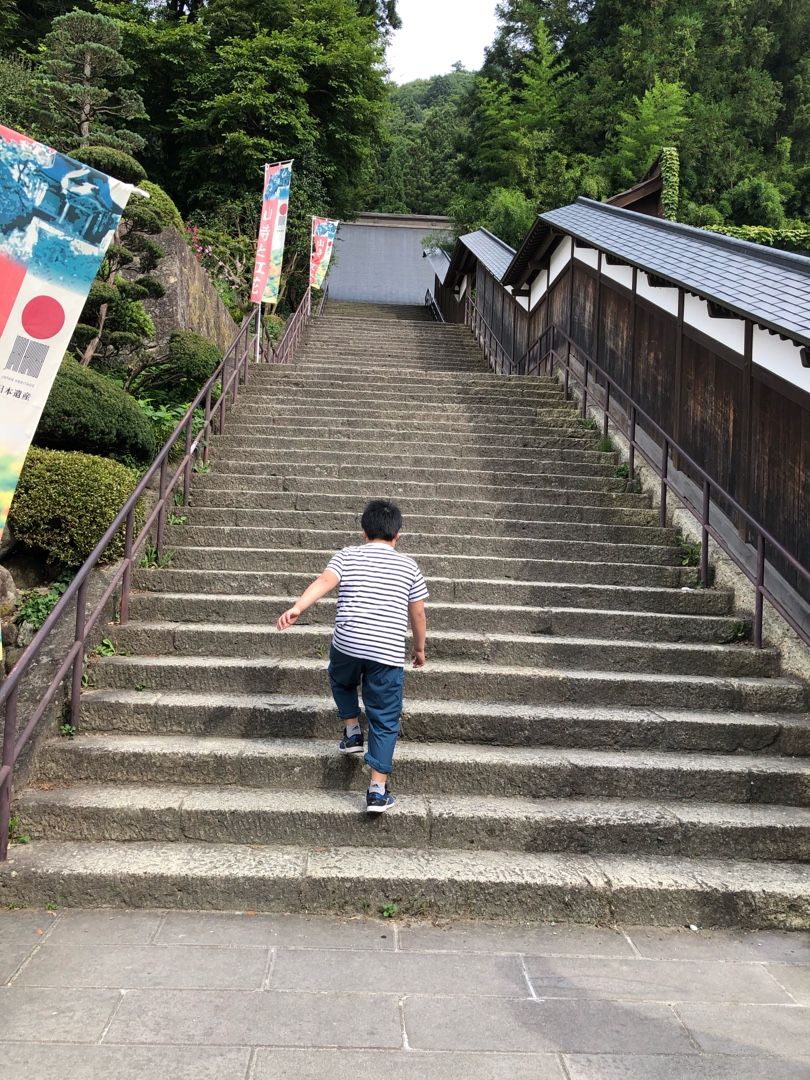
[[382, 687]]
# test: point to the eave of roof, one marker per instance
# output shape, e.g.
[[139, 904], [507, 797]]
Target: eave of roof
[[781, 303]]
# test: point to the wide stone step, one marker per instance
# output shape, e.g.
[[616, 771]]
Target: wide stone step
[[460, 680], [268, 377], [423, 768], [551, 568], [243, 815], [349, 479], [278, 410], [521, 886], [617, 543], [467, 501], [258, 640], [535, 597], [402, 365], [445, 444], [432, 516], [346, 353], [563, 426], [443, 615], [263, 716], [294, 452], [360, 393]]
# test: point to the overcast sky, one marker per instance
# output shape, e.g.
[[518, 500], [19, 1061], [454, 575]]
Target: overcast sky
[[437, 33]]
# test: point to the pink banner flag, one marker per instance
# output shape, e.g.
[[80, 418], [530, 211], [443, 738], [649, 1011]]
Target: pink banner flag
[[324, 232], [272, 230]]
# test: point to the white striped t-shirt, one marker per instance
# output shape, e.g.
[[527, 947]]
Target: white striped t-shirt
[[377, 583]]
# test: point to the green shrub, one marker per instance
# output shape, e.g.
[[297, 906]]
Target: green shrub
[[65, 502], [189, 362], [757, 201], [86, 411], [116, 163], [796, 240], [162, 205]]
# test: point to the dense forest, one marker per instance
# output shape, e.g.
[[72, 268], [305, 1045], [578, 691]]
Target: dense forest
[[579, 96], [574, 97]]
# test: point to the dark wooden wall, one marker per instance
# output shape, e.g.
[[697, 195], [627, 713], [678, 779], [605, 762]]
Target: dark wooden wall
[[747, 428]]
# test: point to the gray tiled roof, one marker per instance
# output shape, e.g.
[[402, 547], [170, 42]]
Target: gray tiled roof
[[493, 253], [771, 287], [440, 261]]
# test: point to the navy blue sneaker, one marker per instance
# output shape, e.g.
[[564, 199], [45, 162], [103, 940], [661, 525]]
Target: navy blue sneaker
[[378, 804], [351, 744]]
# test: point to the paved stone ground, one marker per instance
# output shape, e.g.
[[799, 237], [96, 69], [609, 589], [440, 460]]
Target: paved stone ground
[[86, 995]]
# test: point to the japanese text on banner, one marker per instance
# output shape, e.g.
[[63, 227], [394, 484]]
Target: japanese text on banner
[[324, 232], [272, 231]]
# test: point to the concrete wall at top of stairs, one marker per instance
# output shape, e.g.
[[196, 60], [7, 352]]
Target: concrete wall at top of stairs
[[382, 264]]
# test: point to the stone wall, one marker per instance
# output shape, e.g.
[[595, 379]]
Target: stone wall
[[191, 301]]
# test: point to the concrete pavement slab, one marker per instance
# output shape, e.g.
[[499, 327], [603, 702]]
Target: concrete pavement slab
[[32, 1015], [251, 930], [64, 1062], [134, 966], [620, 1067], [681, 943], [259, 1018], [544, 1026], [393, 1065], [794, 978], [105, 927], [652, 980], [399, 973], [531, 940], [747, 1030]]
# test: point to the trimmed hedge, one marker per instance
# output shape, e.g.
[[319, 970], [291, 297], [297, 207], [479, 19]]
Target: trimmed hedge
[[162, 205], [65, 502], [190, 362], [86, 411], [107, 159]]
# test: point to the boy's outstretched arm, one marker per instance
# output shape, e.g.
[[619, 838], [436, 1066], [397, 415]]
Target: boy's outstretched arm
[[311, 595], [418, 619]]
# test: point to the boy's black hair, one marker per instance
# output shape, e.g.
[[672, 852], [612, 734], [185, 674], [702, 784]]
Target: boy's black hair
[[381, 519]]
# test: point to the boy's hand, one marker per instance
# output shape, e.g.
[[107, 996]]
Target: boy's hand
[[290, 616], [418, 657]]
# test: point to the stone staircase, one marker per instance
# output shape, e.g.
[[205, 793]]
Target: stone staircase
[[592, 739]]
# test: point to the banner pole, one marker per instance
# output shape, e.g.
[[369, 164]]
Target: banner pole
[[258, 356]]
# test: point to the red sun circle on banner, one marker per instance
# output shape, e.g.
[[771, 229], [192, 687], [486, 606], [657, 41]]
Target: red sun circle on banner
[[43, 317], [282, 208]]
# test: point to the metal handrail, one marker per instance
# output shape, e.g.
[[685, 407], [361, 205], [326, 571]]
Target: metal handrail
[[711, 489], [293, 328], [323, 300], [435, 310], [475, 320], [232, 371]]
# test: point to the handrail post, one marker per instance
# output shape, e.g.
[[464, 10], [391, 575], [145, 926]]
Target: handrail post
[[662, 517], [126, 581], [78, 663], [584, 386], [632, 455], [187, 467], [758, 605], [607, 412], [161, 522], [704, 538], [259, 332], [9, 741], [207, 428]]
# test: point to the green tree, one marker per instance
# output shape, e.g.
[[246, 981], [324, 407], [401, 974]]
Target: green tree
[[78, 84], [656, 119]]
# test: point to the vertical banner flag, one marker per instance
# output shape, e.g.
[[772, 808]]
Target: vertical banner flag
[[324, 232], [57, 218], [272, 230]]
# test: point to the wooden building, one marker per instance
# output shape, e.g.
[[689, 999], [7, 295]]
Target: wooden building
[[707, 335]]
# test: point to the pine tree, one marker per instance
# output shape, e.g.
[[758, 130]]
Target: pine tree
[[656, 119], [79, 83]]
